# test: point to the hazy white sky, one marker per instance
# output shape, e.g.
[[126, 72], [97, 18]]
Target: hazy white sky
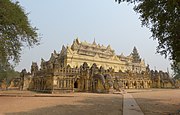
[[61, 21]]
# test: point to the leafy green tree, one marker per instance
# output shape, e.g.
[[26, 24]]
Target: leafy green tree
[[135, 55], [176, 68], [8, 75], [162, 17], [3, 75], [177, 76], [15, 33]]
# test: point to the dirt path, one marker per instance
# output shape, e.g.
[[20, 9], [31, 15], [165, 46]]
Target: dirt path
[[76, 104], [159, 102], [151, 102]]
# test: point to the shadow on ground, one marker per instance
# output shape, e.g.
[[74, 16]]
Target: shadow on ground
[[158, 106], [89, 106]]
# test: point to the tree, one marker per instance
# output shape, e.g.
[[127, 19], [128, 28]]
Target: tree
[[162, 17], [135, 55], [15, 33], [176, 68], [8, 75]]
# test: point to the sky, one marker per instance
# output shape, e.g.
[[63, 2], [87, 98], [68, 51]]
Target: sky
[[59, 22]]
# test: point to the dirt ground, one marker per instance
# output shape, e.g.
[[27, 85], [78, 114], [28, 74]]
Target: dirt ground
[[151, 101], [66, 104], [159, 102]]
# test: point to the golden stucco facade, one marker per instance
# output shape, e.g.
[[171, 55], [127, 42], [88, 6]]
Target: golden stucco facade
[[92, 67], [80, 52]]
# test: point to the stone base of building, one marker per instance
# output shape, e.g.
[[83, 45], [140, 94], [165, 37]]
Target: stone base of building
[[58, 91]]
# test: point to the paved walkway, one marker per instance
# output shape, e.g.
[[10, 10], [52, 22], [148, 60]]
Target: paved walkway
[[130, 107]]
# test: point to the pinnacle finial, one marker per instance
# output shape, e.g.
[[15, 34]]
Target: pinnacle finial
[[77, 40], [94, 42]]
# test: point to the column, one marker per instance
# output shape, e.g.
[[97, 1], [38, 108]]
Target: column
[[67, 83], [87, 85], [64, 83]]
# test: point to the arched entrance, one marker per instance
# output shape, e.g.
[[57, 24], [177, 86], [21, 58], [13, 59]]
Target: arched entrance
[[76, 84]]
